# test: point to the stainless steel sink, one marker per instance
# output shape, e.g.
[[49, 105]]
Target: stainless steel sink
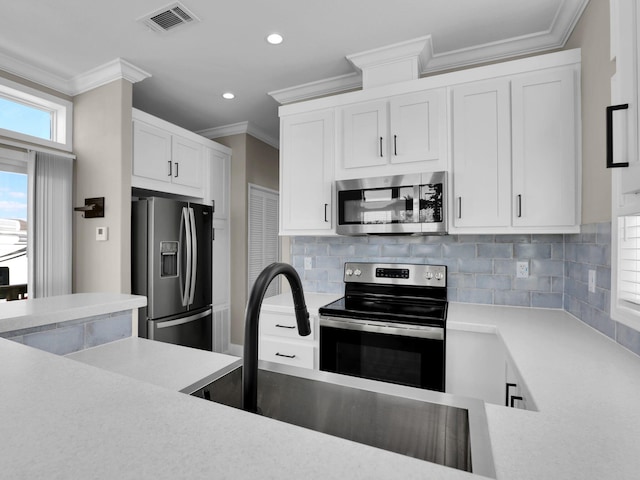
[[427, 425]]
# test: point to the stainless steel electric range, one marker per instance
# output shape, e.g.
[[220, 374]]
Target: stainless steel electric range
[[389, 326]]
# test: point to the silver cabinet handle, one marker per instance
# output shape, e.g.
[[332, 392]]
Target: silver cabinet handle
[[285, 326], [395, 145], [170, 171], [278, 354], [459, 207], [381, 147], [519, 199], [325, 212], [176, 175]]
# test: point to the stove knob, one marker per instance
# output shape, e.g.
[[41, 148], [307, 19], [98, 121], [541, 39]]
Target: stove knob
[[428, 275], [357, 272], [439, 276], [349, 272]]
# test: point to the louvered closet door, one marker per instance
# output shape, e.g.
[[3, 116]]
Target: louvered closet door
[[264, 243]]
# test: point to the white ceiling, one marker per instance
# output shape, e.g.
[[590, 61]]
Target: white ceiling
[[54, 42]]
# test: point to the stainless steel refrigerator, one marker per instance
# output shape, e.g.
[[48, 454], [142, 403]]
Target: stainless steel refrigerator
[[171, 266]]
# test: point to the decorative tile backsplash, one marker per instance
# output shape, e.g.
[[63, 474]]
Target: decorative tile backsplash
[[482, 269]]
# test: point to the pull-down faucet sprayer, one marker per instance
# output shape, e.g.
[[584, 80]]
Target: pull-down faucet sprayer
[[252, 314]]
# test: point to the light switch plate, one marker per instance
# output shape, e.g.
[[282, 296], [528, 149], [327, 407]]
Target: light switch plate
[[102, 234]]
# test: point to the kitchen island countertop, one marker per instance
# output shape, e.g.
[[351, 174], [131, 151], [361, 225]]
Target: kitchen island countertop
[[79, 421], [23, 314]]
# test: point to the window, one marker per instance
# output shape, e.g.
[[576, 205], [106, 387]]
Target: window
[[35, 117], [14, 268]]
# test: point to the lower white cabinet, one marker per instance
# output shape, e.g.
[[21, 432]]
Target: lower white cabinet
[[475, 365], [279, 340], [479, 366]]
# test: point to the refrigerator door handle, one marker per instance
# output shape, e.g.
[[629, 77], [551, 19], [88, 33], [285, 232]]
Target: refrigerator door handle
[[182, 321], [186, 227], [194, 254]]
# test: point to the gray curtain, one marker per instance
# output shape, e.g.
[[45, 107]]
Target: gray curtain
[[50, 224]]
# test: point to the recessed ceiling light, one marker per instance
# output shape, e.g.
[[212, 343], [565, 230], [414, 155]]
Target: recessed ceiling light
[[228, 96], [275, 39]]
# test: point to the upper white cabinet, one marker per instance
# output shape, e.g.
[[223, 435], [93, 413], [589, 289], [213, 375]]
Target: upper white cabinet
[[306, 174], [544, 144], [219, 163], [401, 134], [625, 94], [515, 153], [508, 132], [170, 159], [482, 154]]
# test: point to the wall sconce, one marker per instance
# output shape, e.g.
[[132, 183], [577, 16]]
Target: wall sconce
[[93, 208]]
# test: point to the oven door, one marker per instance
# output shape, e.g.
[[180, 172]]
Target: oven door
[[413, 356]]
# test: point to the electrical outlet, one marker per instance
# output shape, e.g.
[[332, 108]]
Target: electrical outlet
[[592, 281], [522, 270], [308, 265]]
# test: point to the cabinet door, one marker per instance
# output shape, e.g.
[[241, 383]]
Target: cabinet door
[[365, 135], [482, 155], [187, 162], [151, 152], [219, 164], [306, 173], [416, 126], [544, 149], [221, 266]]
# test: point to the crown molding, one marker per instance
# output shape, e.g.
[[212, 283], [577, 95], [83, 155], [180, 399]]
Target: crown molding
[[34, 74], [319, 88], [238, 129], [420, 48], [555, 37], [96, 77], [114, 70]]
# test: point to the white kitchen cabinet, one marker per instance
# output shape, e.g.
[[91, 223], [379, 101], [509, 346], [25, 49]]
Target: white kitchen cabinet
[[221, 266], [517, 394], [167, 158], [544, 159], [219, 179], [280, 342], [395, 135], [625, 91], [306, 174], [516, 166], [475, 365], [482, 154], [187, 159]]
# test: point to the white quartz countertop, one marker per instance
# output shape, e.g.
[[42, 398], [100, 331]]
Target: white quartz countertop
[[171, 366], [65, 419], [284, 301], [36, 312]]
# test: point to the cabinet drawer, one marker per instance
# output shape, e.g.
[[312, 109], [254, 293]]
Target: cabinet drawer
[[289, 353], [284, 325]]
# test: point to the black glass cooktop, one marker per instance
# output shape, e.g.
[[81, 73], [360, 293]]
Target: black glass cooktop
[[414, 311]]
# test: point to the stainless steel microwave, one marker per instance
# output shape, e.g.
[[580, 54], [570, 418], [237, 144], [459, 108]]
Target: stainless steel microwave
[[410, 204]]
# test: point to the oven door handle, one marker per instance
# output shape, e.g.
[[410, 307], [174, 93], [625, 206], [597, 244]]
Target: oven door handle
[[433, 333]]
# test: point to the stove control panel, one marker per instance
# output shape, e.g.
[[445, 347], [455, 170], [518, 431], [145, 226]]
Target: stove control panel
[[397, 274]]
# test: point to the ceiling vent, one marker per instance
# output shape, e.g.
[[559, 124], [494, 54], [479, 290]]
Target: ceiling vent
[[169, 17]]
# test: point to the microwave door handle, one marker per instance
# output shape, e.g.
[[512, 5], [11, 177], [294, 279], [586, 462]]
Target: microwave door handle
[[194, 254], [416, 202]]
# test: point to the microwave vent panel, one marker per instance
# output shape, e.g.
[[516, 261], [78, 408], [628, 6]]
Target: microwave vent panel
[[168, 17]]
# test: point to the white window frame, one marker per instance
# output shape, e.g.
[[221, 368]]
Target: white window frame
[[61, 115]]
